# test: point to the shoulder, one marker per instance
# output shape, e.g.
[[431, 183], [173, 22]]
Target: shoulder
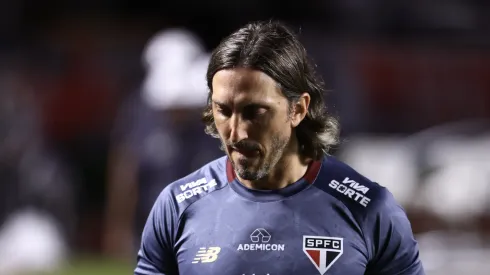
[[185, 191], [359, 194]]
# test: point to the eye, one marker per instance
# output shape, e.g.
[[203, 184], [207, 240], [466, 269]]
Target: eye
[[223, 110], [254, 112]]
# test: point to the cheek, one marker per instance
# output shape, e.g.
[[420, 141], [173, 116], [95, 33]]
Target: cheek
[[270, 135], [279, 136], [280, 126], [220, 127], [264, 130]]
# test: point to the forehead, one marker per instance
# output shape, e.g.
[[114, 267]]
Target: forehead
[[241, 84]]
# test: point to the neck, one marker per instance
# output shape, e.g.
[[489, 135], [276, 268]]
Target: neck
[[288, 170]]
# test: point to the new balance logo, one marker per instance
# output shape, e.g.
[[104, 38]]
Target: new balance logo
[[207, 255]]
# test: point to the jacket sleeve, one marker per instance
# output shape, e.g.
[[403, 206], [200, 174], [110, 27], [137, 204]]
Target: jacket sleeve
[[393, 247], [156, 255]]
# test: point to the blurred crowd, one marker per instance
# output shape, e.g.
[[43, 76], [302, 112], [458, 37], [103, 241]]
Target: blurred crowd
[[100, 108]]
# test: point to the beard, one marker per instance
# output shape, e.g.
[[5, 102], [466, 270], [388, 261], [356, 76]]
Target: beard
[[257, 167]]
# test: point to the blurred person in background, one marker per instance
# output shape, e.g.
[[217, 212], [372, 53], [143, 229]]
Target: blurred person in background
[[36, 209], [277, 203], [157, 136]]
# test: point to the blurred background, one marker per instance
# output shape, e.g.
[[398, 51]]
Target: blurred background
[[100, 103]]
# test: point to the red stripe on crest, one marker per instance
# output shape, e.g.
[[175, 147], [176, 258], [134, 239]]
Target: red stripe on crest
[[315, 256]]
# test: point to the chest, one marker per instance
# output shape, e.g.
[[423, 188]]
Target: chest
[[270, 239]]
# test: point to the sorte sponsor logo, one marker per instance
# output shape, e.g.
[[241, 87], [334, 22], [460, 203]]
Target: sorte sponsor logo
[[193, 188]]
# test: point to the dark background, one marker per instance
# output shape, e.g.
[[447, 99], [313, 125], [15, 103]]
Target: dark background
[[409, 80]]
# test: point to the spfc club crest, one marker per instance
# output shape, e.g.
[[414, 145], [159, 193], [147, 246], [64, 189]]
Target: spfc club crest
[[323, 251]]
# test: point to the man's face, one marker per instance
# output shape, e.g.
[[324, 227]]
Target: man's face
[[252, 118]]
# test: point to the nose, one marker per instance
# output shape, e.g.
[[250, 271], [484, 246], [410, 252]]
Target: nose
[[238, 129]]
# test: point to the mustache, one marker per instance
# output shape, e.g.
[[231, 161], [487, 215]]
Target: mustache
[[243, 145]]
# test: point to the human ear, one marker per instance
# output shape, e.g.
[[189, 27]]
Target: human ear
[[300, 109]]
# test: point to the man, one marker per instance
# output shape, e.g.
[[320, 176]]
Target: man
[[276, 203]]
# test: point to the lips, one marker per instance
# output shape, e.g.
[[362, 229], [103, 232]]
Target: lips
[[246, 152]]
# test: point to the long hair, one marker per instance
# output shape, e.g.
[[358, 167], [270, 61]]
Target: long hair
[[271, 47]]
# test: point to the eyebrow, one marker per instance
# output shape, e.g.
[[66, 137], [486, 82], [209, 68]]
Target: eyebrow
[[251, 104], [219, 103]]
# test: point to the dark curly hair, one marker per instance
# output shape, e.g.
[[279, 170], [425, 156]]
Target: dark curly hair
[[271, 47]]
